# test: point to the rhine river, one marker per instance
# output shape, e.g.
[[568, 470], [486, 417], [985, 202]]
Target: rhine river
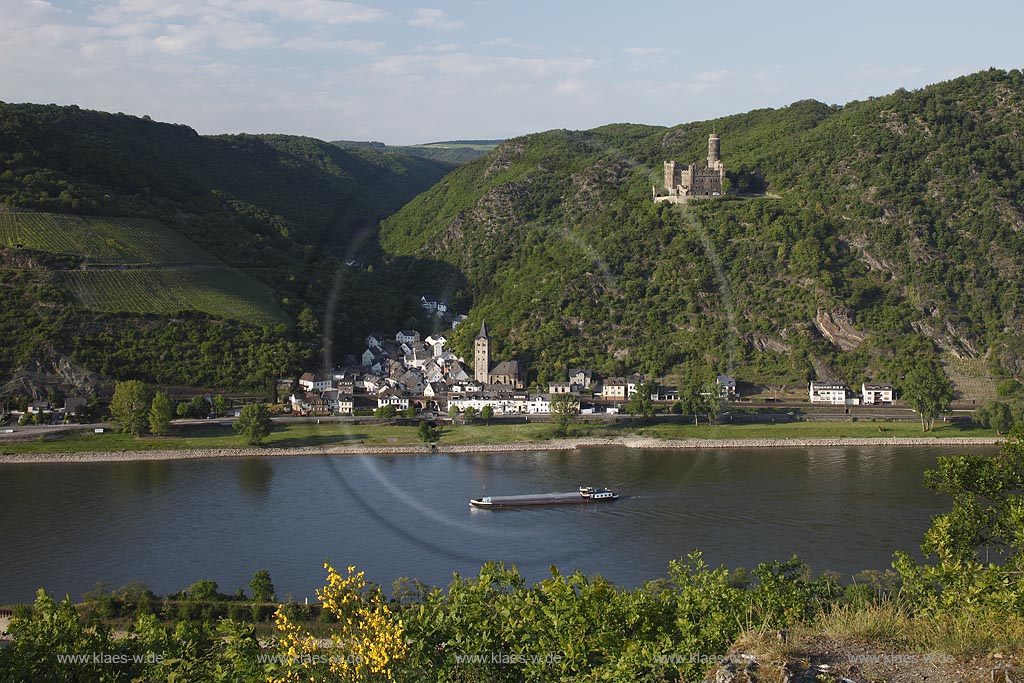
[[66, 526]]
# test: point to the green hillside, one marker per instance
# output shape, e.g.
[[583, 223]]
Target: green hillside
[[891, 235], [100, 240], [145, 268], [220, 293], [119, 234]]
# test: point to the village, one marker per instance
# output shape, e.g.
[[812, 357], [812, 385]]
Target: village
[[407, 373]]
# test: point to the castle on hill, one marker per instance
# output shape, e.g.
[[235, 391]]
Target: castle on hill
[[686, 182]]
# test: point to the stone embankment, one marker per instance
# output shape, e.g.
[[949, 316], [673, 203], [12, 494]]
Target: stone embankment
[[551, 445]]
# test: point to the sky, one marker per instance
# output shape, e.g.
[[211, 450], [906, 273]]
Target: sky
[[421, 71]]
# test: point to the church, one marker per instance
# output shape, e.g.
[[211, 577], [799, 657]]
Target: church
[[509, 373]]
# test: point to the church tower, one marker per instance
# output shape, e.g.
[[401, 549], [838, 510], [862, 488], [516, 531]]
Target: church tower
[[481, 355]]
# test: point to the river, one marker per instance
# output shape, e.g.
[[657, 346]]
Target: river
[[167, 524]]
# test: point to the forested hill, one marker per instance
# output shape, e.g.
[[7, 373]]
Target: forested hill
[[252, 232], [67, 159], [891, 234]]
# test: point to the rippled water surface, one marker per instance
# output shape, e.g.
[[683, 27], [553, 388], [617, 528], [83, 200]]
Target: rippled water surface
[[167, 524]]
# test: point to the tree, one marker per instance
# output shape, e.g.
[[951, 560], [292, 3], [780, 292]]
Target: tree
[[203, 590], [470, 414], [220, 405], [199, 407], [640, 404], [486, 413], [928, 392], [130, 406], [985, 526], [453, 413], [700, 396], [160, 413], [386, 412], [410, 412], [262, 587], [427, 433], [999, 417], [565, 408], [254, 423]]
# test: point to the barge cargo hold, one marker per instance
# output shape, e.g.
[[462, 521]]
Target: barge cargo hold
[[586, 494]]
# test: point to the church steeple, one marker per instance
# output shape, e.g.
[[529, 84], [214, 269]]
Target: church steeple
[[481, 355]]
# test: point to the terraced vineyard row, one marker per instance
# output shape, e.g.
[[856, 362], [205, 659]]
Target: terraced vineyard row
[[100, 240], [219, 292]]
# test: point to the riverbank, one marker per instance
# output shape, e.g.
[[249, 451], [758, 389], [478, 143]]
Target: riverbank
[[638, 442]]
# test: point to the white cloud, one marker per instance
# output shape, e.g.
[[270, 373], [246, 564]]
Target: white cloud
[[568, 87], [216, 32], [644, 51], [434, 18], [509, 43], [318, 11], [325, 44], [321, 11]]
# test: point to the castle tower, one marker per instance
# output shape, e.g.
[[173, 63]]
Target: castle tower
[[670, 176], [714, 151], [481, 355]]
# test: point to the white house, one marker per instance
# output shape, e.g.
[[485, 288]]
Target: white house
[[428, 303], [829, 393], [435, 389], [614, 388], [561, 388], [877, 393], [501, 403], [407, 336], [727, 386], [540, 404], [311, 382], [392, 397]]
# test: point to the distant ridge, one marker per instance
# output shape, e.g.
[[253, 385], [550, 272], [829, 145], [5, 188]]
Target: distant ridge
[[451, 152]]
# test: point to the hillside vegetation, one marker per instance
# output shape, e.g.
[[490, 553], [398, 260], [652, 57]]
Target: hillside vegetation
[[891, 233], [203, 237]]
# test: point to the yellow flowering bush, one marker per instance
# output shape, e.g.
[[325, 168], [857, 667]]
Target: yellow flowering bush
[[367, 644]]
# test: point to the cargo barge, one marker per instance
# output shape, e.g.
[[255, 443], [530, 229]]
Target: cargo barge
[[586, 494]]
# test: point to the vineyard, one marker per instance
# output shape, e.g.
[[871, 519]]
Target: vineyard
[[100, 240], [219, 292]]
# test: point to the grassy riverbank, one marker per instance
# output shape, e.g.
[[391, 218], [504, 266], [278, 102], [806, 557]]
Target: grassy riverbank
[[334, 435]]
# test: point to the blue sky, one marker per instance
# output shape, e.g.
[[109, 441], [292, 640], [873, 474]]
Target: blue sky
[[408, 72]]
